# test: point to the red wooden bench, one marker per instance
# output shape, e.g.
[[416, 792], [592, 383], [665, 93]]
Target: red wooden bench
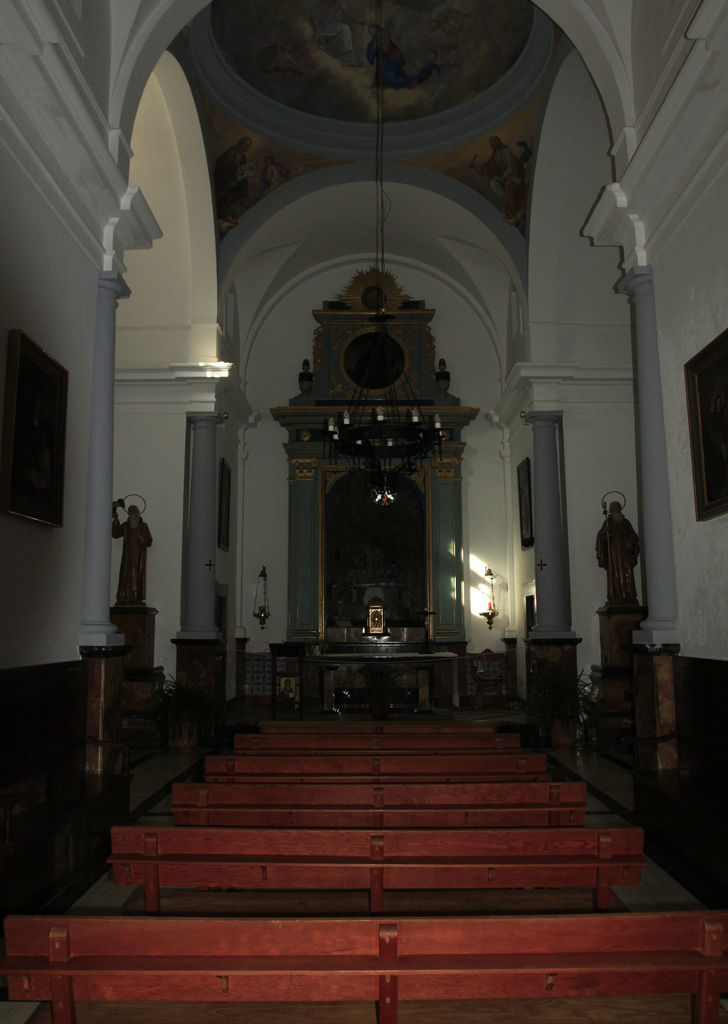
[[397, 742], [355, 805], [64, 960], [420, 725], [340, 766], [365, 859]]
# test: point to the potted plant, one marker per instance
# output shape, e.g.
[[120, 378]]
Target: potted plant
[[318, 645], [562, 704], [185, 714], [381, 686]]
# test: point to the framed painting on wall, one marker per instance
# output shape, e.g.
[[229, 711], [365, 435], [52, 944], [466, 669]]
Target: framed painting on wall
[[523, 473], [223, 508], [34, 433], [706, 382]]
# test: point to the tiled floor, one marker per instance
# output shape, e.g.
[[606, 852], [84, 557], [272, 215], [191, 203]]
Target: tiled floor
[[151, 800]]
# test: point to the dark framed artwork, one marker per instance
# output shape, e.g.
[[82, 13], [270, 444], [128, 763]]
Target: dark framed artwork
[[523, 473], [706, 382], [223, 507], [34, 433]]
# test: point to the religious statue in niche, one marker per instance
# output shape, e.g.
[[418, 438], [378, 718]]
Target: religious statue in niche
[[618, 549], [132, 589]]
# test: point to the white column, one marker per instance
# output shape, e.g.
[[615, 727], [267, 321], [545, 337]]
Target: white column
[[96, 629], [660, 626], [553, 614], [199, 604]]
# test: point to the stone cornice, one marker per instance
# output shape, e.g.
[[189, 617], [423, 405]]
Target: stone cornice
[[197, 387], [59, 137], [667, 175], [531, 387]]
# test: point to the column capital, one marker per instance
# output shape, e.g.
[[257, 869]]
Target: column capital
[[112, 281], [215, 418], [537, 416], [636, 279]]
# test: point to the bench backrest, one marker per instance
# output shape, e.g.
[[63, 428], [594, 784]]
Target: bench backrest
[[380, 844], [704, 932], [386, 764], [414, 794], [394, 726], [402, 742]]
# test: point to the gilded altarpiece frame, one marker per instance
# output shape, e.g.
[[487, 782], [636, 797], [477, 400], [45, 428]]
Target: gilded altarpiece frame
[[314, 601]]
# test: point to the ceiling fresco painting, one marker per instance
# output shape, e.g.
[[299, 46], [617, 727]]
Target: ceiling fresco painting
[[315, 60], [246, 167], [318, 56]]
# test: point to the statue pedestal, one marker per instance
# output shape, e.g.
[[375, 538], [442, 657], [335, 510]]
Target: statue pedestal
[[136, 622], [614, 675], [140, 679], [616, 622]]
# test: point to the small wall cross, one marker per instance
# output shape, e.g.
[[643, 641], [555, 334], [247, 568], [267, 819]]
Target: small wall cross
[[542, 565], [209, 565]]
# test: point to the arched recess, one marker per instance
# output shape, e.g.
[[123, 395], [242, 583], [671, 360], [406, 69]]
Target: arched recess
[[164, 329], [174, 284], [581, 353], [604, 44]]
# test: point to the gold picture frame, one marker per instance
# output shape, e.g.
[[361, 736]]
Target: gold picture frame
[[34, 433], [706, 383]]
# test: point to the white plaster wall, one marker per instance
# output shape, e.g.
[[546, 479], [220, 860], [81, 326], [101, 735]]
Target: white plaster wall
[[692, 308], [48, 290], [576, 318], [574, 313], [599, 455], [149, 454], [226, 561], [171, 316], [658, 42]]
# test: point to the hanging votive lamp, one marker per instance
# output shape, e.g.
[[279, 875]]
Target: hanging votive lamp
[[491, 611], [262, 609]]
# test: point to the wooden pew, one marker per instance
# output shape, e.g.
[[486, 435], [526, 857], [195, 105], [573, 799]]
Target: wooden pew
[[340, 766], [420, 725], [345, 859], [355, 805], [65, 960], [397, 742]]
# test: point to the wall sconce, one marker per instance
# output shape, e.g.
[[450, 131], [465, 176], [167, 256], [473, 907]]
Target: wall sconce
[[261, 611], [491, 612]]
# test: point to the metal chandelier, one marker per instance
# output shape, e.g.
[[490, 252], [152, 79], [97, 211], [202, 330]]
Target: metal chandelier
[[383, 432]]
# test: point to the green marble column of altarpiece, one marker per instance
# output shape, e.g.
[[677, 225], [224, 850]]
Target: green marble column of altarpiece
[[303, 552], [448, 622]]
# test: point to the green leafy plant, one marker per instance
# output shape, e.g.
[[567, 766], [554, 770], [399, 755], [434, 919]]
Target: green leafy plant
[[185, 714], [557, 698], [319, 645]]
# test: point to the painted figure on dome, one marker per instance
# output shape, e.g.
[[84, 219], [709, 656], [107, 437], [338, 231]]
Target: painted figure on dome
[[506, 174], [231, 175], [389, 61], [332, 33]]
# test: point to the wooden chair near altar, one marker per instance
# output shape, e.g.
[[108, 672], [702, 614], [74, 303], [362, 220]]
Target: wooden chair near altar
[[487, 671]]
